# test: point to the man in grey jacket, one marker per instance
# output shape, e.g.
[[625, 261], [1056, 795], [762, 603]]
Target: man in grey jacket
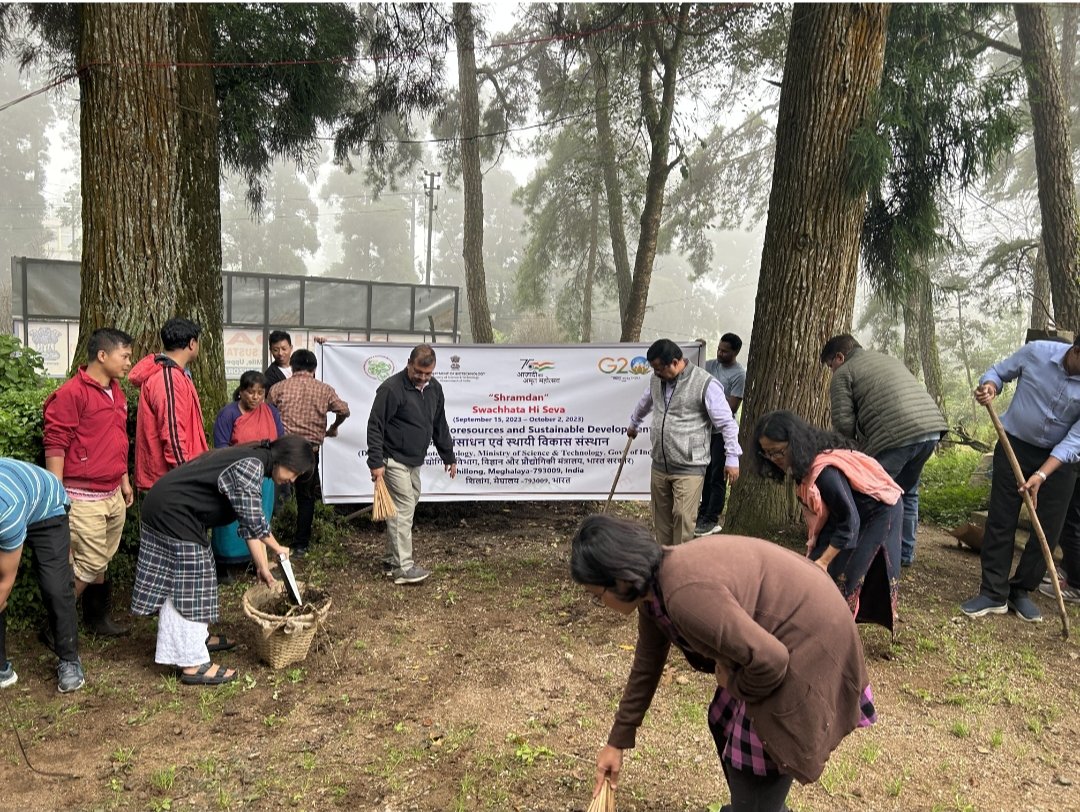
[[687, 403], [878, 403]]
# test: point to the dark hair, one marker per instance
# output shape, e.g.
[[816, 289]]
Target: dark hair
[[249, 379], [303, 361], [804, 443], [422, 355], [732, 341], [177, 333], [106, 339], [843, 343], [277, 336], [294, 452], [606, 549], [666, 350]]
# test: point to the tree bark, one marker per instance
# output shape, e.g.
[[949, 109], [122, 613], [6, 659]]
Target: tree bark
[[151, 217], [471, 176], [929, 356], [605, 146], [806, 289], [654, 53], [911, 330], [590, 269], [1053, 163], [1041, 305]]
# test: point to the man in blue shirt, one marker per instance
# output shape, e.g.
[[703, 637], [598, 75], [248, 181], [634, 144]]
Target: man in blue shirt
[[1043, 427], [33, 512]]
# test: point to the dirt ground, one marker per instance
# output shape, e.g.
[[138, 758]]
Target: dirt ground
[[492, 686]]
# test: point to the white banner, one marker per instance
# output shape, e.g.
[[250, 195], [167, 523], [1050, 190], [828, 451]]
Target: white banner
[[528, 422]]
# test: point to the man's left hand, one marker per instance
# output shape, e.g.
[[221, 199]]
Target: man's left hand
[[128, 493], [332, 431], [452, 469], [731, 472]]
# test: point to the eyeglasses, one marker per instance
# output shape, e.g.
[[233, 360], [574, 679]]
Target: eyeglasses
[[774, 455], [597, 598]]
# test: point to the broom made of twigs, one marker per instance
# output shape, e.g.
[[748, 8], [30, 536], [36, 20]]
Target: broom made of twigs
[[604, 801], [383, 508]]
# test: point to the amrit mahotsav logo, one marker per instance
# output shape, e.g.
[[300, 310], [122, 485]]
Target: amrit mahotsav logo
[[534, 365]]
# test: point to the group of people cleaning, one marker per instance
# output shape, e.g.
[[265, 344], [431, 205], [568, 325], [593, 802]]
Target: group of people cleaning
[[778, 636]]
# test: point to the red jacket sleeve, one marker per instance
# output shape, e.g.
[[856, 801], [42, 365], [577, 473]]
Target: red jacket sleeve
[[61, 421]]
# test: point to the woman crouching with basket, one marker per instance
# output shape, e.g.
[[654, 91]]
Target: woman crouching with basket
[[771, 627], [175, 577]]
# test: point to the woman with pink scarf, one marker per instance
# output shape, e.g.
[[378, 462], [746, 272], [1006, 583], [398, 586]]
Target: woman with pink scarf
[[852, 508]]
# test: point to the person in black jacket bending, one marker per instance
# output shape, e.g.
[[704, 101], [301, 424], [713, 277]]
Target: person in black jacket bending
[[407, 416]]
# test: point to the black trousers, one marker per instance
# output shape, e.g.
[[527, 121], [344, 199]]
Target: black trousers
[[50, 542], [1004, 515], [1070, 539], [308, 490], [755, 793], [714, 488]]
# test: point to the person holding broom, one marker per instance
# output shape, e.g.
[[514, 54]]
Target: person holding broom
[[1042, 424], [763, 621], [408, 415], [175, 576]]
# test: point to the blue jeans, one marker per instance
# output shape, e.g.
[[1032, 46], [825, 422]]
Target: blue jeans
[[904, 465]]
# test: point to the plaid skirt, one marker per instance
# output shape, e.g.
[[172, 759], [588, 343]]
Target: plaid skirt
[[177, 569]]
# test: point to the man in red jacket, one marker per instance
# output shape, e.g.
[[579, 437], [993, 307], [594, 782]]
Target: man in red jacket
[[86, 447], [170, 429]]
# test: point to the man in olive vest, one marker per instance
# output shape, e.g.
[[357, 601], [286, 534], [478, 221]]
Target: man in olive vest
[[688, 403]]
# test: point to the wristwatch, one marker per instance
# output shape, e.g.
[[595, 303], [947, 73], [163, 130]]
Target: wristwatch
[[1041, 475]]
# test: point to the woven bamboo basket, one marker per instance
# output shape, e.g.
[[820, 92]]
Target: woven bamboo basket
[[284, 639]]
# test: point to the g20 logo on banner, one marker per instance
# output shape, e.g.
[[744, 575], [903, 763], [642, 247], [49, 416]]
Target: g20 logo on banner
[[638, 365], [378, 367]]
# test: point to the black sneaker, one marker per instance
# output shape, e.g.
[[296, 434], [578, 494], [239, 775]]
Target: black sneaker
[[8, 677]]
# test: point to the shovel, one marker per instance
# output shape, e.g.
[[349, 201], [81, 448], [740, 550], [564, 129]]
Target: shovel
[[618, 473], [1035, 523], [292, 589]]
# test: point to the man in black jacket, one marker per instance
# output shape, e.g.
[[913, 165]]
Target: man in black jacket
[[281, 351], [409, 413]]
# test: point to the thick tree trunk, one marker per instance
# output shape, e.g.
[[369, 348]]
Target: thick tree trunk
[[151, 218], [590, 269], [472, 177], [806, 289], [654, 54], [1053, 164], [605, 146]]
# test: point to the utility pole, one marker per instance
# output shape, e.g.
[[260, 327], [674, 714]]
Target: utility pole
[[430, 188]]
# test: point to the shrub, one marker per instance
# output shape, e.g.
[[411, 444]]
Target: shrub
[[945, 497]]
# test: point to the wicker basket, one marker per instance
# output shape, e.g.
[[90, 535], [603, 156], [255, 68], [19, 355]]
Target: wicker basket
[[284, 639]]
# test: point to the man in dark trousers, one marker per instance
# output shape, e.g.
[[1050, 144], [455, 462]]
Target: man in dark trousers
[[877, 402], [732, 376], [1042, 424], [409, 413], [304, 403], [33, 514]]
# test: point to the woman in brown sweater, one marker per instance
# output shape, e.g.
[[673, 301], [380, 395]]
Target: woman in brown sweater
[[769, 624]]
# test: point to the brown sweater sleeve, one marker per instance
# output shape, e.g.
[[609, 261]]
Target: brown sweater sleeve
[[649, 658], [716, 626]]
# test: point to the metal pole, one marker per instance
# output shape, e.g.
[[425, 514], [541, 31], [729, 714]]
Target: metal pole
[[429, 190]]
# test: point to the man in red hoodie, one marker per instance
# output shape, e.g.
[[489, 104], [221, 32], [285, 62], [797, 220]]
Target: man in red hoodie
[[86, 447], [170, 428]]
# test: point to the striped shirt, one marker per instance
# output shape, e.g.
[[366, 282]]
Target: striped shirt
[[28, 495]]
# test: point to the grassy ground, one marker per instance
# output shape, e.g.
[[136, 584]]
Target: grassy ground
[[491, 687]]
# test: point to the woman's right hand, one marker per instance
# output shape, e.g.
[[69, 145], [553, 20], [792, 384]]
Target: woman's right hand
[[608, 765]]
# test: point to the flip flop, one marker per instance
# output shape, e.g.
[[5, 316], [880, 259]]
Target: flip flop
[[200, 677], [223, 643]]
